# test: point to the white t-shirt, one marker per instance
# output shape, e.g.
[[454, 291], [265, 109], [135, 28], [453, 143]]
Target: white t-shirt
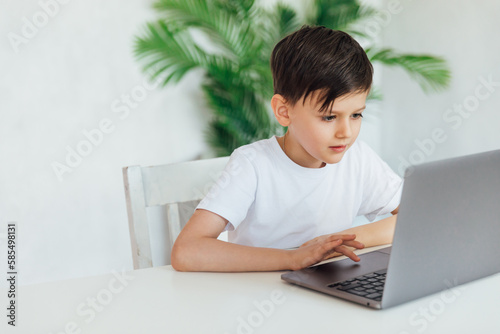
[[270, 201]]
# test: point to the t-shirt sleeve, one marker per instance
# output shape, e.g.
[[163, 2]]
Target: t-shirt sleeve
[[234, 191], [381, 185]]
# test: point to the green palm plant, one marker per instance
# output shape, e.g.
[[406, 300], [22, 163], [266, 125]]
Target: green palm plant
[[232, 40]]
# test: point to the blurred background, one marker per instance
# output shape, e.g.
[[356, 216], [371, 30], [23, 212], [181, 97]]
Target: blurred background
[[76, 106]]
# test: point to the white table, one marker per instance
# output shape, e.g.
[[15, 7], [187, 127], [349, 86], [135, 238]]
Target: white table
[[161, 300]]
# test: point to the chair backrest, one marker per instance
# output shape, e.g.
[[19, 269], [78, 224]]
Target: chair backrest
[[167, 185]]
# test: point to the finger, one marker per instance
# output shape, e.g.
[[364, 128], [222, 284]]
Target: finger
[[332, 244], [329, 247], [347, 252], [332, 254], [354, 243], [329, 237], [319, 251], [344, 237]]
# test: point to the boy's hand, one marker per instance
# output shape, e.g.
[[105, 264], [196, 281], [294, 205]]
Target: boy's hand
[[325, 247]]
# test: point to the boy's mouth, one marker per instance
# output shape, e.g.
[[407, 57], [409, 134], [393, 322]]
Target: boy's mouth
[[338, 148]]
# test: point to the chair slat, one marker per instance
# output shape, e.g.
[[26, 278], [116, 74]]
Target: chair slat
[[181, 182], [137, 216], [164, 185]]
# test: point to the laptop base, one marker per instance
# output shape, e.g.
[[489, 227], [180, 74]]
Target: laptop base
[[322, 277]]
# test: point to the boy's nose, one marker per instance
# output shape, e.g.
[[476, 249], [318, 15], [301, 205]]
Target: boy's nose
[[343, 130]]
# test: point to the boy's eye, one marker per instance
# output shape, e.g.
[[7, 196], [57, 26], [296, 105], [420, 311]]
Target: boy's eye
[[356, 116], [328, 118]]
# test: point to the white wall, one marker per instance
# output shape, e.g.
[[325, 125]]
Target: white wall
[[70, 76], [465, 33]]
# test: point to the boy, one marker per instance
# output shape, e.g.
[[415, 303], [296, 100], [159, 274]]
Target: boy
[[305, 187]]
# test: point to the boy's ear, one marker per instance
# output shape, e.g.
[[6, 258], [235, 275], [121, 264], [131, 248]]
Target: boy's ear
[[280, 109]]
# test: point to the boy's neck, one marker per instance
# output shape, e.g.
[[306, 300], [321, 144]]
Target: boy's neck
[[282, 142]]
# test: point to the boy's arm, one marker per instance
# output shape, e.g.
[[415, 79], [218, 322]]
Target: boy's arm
[[198, 249], [377, 233], [373, 234]]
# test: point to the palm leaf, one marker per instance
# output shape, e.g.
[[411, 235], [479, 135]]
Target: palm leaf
[[340, 15], [237, 103], [167, 53], [239, 109], [241, 8], [430, 72], [288, 21], [222, 24]]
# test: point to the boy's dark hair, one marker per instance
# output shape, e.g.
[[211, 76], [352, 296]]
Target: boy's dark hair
[[319, 58]]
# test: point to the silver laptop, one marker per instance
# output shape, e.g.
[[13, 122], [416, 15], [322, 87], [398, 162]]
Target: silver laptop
[[447, 234]]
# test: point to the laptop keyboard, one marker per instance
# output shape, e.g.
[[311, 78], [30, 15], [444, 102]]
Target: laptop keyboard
[[369, 286]]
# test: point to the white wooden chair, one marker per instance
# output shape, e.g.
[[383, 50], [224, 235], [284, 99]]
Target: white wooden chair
[[167, 185]]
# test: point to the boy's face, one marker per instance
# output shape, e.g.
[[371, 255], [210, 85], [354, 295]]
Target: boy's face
[[316, 137]]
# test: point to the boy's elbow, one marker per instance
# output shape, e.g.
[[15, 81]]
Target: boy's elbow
[[176, 262], [179, 257]]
